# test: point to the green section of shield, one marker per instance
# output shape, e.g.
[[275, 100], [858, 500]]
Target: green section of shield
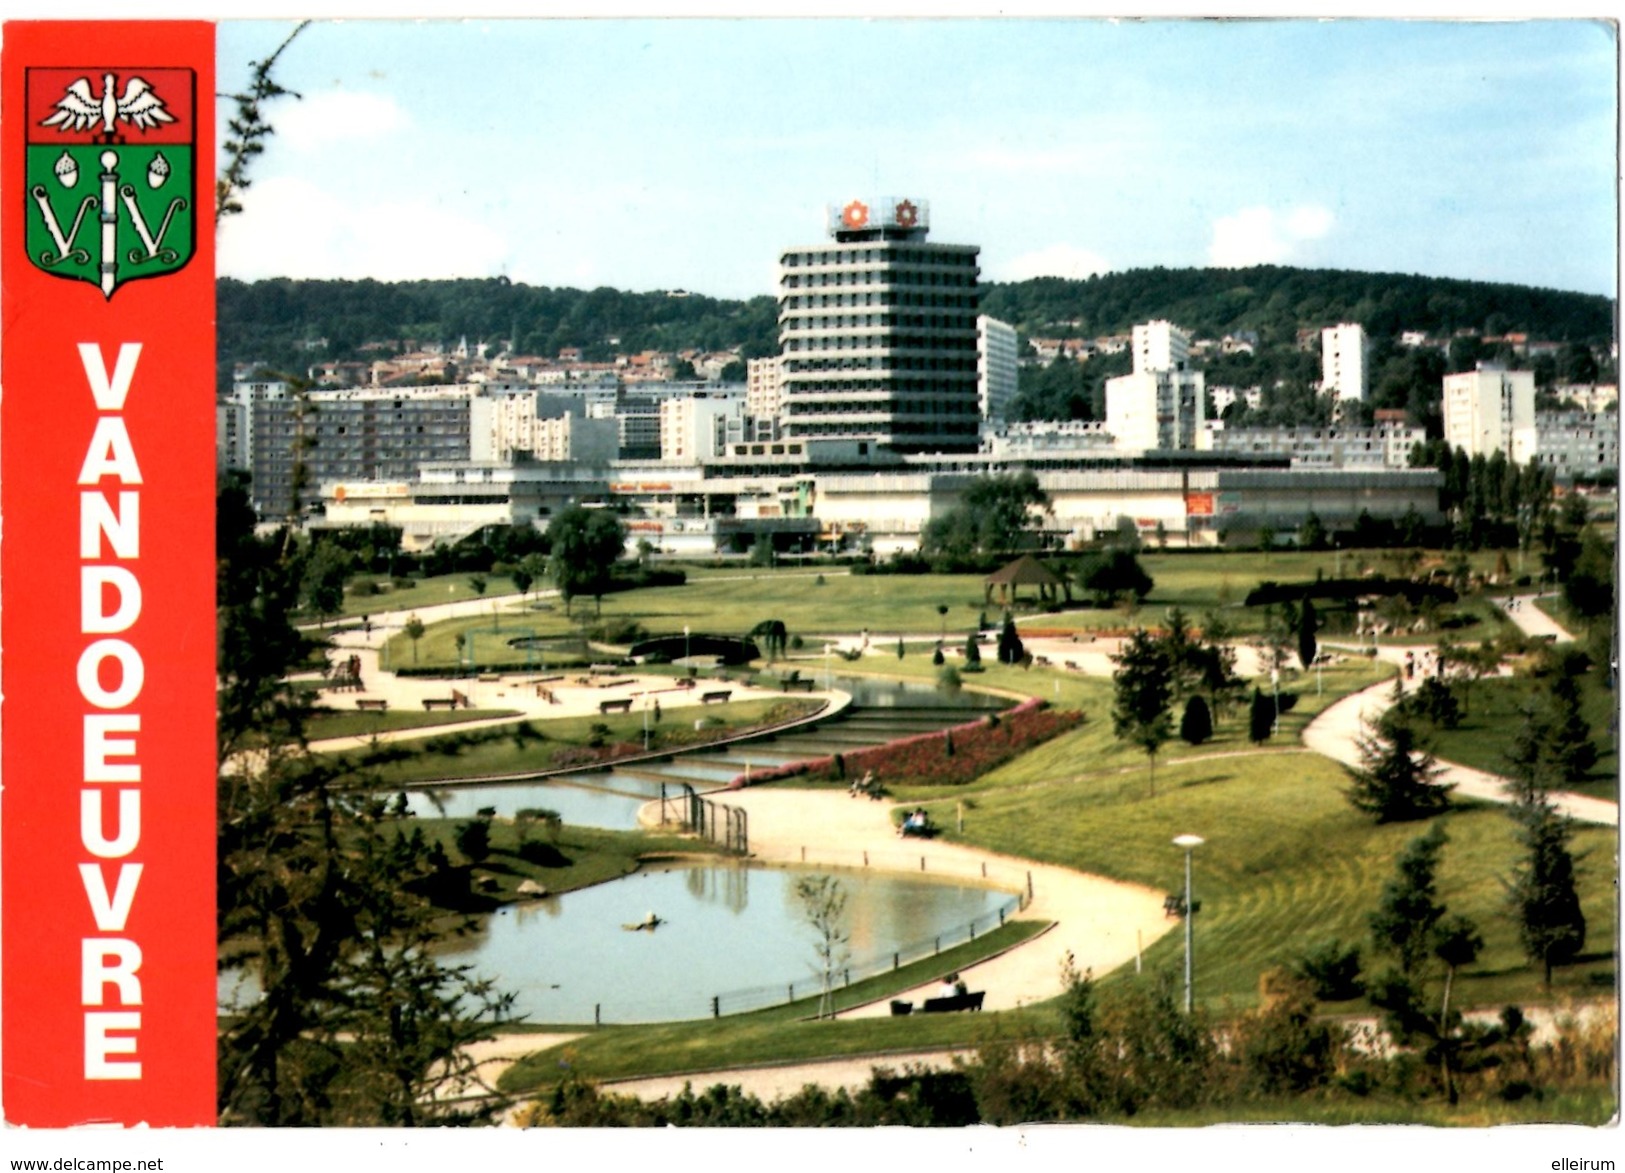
[[157, 180]]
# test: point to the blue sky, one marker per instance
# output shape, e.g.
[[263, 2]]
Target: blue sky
[[649, 154]]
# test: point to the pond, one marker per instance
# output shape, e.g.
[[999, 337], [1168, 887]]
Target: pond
[[729, 931], [609, 801]]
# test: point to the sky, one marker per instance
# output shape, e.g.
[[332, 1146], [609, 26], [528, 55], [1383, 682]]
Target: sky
[[658, 154]]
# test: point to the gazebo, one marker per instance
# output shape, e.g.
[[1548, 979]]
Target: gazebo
[[1025, 571]]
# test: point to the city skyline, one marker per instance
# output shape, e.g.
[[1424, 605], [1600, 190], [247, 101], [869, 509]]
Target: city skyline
[[661, 154]]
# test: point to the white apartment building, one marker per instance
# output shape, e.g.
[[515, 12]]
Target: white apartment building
[[1491, 410], [1342, 361], [877, 328], [1385, 445], [1044, 438], [996, 366], [1160, 346], [541, 426], [697, 428], [1577, 443], [764, 390], [1156, 409], [1589, 396]]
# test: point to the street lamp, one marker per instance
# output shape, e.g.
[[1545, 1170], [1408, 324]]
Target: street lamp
[[685, 645], [1189, 843]]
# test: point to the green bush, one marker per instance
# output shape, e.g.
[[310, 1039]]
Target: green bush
[[1332, 971]]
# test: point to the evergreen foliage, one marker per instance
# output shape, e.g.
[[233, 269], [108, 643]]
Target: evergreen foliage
[[1143, 689], [1395, 781], [1260, 718], [1196, 726], [1011, 649]]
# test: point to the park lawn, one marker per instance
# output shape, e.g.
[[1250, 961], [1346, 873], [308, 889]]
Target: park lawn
[[1287, 864], [1093, 749], [325, 723], [781, 1034], [496, 751], [732, 600], [1494, 718], [424, 592]]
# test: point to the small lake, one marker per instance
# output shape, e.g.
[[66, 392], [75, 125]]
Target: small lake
[[731, 930]]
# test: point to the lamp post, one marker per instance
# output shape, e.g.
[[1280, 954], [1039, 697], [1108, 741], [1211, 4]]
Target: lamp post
[[685, 645], [1189, 843]]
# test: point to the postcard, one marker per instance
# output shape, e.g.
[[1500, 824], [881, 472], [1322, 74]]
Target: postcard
[[808, 573]]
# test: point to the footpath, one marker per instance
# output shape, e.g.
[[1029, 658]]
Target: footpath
[[1101, 923]]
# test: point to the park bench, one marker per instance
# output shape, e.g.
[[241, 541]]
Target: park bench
[[622, 682], [604, 669], [900, 1008], [489, 678], [951, 1003], [1174, 905], [366, 703], [721, 695], [806, 684], [624, 705], [914, 832], [439, 702]]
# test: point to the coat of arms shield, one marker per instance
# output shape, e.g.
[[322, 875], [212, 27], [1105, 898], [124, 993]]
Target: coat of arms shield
[[111, 160]]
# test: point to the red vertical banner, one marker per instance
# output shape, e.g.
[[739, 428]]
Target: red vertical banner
[[107, 977]]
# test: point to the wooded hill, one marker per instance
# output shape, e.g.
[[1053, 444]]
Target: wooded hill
[[1276, 302], [269, 320]]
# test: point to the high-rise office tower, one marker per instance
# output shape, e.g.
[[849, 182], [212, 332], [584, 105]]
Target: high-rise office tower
[[877, 329]]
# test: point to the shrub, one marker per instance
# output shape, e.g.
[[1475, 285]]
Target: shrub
[[474, 839], [937, 658], [1260, 717], [1332, 971], [948, 679], [1196, 726]]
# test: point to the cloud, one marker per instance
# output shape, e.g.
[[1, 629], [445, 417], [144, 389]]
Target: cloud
[[289, 226], [1264, 236], [1056, 260], [334, 116]]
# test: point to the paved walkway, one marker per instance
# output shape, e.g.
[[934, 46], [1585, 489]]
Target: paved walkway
[[537, 694], [1102, 923]]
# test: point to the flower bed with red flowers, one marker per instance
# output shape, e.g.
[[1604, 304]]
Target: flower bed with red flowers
[[950, 757]]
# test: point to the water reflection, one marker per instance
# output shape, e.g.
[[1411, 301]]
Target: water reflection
[[725, 928]]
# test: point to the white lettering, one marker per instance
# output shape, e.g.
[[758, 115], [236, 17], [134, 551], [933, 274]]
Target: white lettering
[[121, 530], [100, 1043], [110, 454], [93, 616], [99, 746], [96, 971], [90, 824], [109, 393], [110, 911], [132, 673]]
